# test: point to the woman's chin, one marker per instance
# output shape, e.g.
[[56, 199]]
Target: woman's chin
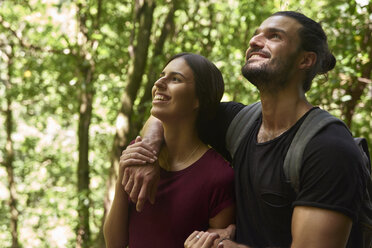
[[157, 113]]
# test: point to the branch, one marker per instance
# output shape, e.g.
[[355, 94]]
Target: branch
[[98, 17], [23, 43], [364, 80]]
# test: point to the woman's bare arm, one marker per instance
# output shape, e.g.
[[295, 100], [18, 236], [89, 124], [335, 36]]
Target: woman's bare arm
[[115, 228]]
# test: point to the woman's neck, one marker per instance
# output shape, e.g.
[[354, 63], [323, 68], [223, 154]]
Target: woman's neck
[[182, 147]]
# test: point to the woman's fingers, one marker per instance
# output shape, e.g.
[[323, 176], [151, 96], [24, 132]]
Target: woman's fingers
[[193, 239], [200, 240]]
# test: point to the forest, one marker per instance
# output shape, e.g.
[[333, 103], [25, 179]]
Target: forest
[[75, 89]]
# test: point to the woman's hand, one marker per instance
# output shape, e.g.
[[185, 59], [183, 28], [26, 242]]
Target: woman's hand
[[212, 238], [201, 240]]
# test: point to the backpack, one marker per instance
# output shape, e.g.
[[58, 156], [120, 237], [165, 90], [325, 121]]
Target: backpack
[[314, 122]]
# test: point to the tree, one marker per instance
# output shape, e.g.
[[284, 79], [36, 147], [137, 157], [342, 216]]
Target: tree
[[86, 54], [8, 55], [76, 79]]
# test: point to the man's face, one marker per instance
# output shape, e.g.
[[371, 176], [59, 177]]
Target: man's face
[[272, 53]]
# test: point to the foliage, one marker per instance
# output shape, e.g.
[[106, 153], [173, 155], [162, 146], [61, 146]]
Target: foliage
[[50, 51]]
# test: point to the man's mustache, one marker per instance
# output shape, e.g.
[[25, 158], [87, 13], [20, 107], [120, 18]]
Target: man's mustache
[[265, 53]]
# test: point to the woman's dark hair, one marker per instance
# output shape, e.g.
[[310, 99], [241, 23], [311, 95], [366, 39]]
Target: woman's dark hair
[[313, 39], [209, 87]]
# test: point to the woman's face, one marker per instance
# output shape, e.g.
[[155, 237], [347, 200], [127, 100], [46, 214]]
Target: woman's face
[[173, 93]]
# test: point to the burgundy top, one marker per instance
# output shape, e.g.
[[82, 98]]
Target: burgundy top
[[185, 202]]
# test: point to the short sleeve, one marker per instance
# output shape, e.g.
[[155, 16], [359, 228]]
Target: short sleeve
[[223, 194], [331, 175]]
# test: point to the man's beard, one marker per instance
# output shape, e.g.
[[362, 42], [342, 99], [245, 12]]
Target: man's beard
[[269, 76]]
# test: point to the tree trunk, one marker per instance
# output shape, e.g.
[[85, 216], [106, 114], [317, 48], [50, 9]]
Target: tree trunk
[[9, 157], [86, 73], [156, 63], [85, 115], [123, 127]]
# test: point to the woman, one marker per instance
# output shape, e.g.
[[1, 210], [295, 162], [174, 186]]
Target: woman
[[195, 191]]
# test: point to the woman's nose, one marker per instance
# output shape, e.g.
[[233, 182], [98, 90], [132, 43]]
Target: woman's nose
[[161, 83]]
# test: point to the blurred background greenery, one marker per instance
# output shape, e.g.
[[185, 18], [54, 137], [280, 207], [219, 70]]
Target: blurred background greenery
[[75, 80]]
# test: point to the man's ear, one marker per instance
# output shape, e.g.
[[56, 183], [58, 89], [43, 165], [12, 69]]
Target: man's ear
[[196, 104], [308, 60]]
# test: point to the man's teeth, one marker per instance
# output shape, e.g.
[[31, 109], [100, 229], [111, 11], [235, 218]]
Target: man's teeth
[[256, 56], [159, 97]]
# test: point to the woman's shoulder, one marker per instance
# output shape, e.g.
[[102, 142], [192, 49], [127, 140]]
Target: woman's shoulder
[[213, 156], [215, 164]]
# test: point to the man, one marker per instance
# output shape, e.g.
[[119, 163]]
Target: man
[[286, 52]]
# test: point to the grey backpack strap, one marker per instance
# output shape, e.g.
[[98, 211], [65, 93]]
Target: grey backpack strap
[[240, 125], [314, 122]]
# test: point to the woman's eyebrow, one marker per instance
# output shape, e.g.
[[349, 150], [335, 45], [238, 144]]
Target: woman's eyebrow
[[173, 73]]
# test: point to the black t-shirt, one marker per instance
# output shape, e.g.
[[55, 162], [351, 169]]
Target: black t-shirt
[[329, 178]]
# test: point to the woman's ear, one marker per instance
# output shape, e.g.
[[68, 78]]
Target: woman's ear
[[308, 60]]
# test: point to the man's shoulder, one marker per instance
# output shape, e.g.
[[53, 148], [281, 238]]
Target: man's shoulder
[[230, 108], [334, 145], [330, 177], [334, 134]]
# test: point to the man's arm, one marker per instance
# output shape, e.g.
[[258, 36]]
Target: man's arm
[[230, 244], [140, 182], [311, 227], [153, 133], [316, 227]]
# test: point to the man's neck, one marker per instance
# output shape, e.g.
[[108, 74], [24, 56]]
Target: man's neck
[[280, 112]]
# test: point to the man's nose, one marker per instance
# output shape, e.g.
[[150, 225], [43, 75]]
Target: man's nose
[[257, 40]]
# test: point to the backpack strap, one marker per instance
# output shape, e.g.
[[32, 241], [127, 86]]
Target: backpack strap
[[363, 147], [316, 120], [240, 125]]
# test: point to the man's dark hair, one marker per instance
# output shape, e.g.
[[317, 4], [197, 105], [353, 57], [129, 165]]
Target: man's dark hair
[[313, 39], [209, 87]]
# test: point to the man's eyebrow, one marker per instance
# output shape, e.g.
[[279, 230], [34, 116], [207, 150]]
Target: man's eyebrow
[[270, 30], [276, 30]]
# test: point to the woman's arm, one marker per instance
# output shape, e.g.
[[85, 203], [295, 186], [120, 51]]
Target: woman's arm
[[115, 228], [224, 218], [221, 225]]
